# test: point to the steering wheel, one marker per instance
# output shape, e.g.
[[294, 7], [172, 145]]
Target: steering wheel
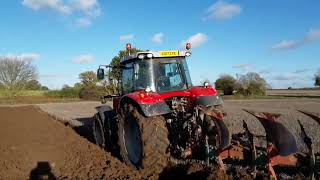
[[161, 81]]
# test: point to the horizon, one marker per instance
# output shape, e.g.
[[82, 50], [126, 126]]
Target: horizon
[[278, 40]]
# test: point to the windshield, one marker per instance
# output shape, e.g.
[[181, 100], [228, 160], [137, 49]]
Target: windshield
[[159, 75], [171, 74]]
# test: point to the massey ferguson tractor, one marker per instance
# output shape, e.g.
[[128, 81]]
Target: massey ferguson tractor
[[159, 117]]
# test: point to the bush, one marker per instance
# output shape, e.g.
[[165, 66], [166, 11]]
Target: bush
[[91, 92], [226, 83], [317, 78], [251, 84], [64, 93]]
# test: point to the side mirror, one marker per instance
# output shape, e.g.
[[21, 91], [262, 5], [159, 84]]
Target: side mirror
[[100, 74]]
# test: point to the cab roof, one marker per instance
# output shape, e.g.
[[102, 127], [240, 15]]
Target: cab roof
[[155, 54]]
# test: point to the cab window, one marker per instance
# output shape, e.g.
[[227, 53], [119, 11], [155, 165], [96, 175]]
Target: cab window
[[127, 78]]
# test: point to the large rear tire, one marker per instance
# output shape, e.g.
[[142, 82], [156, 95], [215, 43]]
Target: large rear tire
[[143, 141]]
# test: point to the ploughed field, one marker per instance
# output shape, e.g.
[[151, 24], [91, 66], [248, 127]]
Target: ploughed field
[[294, 92], [34, 142]]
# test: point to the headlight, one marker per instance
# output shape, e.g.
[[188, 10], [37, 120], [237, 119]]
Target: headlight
[[148, 89], [150, 55], [141, 56]]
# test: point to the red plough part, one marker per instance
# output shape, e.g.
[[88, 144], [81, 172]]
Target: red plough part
[[279, 159]]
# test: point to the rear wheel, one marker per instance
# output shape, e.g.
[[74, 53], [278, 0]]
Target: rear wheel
[[143, 141]]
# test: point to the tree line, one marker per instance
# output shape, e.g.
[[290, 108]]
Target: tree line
[[249, 84], [17, 75]]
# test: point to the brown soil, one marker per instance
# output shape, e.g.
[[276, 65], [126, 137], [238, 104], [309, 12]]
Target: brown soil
[[31, 140], [34, 144], [34, 100]]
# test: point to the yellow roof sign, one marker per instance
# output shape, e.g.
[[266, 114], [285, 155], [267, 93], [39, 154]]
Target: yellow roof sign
[[168, 53]]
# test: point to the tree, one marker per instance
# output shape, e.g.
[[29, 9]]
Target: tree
[[226, 83], [33, 85], [317, 78], [15, 73], [88, 78], [251, 84], [113, 76], [44, 88]]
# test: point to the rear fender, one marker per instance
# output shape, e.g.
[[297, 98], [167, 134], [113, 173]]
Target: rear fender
[[150, 109]]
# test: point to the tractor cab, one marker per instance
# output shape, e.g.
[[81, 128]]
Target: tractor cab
[[155, 71]]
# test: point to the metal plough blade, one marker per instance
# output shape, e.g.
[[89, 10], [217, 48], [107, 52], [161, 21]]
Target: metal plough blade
[[314, 116], [276, 132], [224, 134]]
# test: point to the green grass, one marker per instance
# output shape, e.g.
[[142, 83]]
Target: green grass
[[66, 93], [36, 93]]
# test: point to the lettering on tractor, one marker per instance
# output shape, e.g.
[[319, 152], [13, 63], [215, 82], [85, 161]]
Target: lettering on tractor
[[159, 117]]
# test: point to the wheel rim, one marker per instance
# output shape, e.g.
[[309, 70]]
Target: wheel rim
[[132, 140], [98, 134]]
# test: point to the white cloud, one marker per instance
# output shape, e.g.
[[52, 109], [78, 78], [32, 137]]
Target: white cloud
[[87, 9], [244, 67], [286, 45], [56, 5], [157, 38], [23, 56], [83, 22], [126, 37], [311, 36], [195, 40], [222, 10], [83, 59]]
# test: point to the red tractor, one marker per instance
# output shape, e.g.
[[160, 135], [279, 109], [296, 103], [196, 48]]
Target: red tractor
[[159, 113], [159, 116]]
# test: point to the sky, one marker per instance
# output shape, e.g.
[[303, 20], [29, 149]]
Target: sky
[[280, 40]]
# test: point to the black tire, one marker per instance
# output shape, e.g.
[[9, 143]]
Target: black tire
[[143, 141], [98, 131]]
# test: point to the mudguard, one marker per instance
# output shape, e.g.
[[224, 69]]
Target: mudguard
[[209, 100], [155, 109], [276, 132]]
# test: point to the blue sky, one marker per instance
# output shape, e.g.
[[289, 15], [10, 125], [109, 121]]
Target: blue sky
[[278, 39]]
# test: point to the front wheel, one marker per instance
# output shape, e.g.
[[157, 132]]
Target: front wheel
[[143, 141], [98, 131]]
